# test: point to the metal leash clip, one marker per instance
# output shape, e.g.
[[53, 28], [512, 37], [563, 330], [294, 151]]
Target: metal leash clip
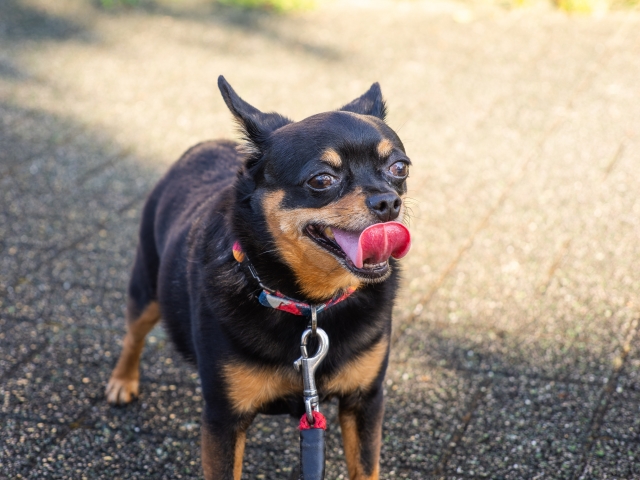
[[308, 368]]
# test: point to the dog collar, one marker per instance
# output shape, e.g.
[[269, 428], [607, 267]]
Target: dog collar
[[279, 301]]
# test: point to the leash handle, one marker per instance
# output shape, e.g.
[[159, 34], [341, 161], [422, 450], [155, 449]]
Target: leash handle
[[312, 452]]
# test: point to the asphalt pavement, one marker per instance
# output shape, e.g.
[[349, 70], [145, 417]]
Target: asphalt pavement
[[515, 350]]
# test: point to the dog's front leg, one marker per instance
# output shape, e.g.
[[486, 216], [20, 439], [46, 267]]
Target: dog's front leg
[[361, 425], [222, 444]]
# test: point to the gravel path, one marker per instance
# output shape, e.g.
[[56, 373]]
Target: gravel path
[[516, 352]]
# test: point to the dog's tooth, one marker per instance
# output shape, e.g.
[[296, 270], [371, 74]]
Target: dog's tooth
[[374, 265], [329, 233]]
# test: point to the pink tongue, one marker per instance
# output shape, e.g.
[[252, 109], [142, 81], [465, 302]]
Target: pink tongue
[[375, 244]]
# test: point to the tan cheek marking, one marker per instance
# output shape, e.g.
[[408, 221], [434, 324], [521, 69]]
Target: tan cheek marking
[[352, 446], [331, 157], [350, 212], [385, 147], [360, 372], [318, 273], [250, 387], [320, 284]]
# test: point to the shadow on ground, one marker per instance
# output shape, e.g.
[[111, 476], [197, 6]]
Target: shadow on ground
[[71, 201], [469, 395], [23, 22]]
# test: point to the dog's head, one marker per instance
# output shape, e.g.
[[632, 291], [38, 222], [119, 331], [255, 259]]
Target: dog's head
[[328, 190]]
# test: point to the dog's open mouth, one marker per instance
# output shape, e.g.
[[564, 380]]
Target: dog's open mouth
[[364, 253]]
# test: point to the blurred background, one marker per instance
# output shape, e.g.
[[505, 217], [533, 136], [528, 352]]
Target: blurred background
[[515, 349]]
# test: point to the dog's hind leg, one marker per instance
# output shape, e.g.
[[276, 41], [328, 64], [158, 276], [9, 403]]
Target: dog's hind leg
[[143, 312]]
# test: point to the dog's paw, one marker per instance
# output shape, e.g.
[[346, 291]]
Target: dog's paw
[[121, 391]]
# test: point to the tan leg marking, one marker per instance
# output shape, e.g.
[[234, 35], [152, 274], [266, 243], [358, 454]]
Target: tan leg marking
[[352, 446], [214, 461], [209, 454], [351, 442], [361, 372], [125, 379], [318, 273], [250, 387], [239, 455], [212, 456]]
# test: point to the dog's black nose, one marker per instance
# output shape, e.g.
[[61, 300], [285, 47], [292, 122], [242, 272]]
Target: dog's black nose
[[386, 206]]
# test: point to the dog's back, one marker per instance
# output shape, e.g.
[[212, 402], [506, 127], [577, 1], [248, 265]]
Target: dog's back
[[198, 183]]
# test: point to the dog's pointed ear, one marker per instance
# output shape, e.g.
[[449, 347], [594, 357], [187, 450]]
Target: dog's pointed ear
[[370, 103], [254, 124]]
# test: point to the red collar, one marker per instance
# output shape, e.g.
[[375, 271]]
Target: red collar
[[279, 301]]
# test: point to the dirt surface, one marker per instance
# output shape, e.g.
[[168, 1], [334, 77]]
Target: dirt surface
[[515, 353]]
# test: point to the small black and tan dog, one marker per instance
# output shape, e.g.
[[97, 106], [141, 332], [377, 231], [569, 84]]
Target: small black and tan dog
[[309, 210]]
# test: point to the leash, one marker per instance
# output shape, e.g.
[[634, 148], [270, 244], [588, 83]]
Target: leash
[[312, 424]]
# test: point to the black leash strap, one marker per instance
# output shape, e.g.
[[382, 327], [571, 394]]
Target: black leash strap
[[312, 452]]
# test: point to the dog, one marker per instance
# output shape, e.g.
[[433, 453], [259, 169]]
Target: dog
[[280, 221]]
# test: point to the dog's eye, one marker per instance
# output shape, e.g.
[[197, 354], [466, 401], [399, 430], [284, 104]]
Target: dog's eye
[[399, 169], [322, 181]]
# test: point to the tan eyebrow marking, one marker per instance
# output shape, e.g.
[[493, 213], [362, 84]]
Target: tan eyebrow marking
[[331, 157], [385, 147]]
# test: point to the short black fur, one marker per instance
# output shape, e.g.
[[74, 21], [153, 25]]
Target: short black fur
[[214, 196]]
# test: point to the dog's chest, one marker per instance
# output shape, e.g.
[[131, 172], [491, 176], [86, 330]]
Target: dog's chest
[[250, 388]]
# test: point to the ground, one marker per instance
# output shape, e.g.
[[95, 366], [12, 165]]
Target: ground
[[515, 351]]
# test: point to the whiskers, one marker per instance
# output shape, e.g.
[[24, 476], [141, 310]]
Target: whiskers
[[409, 204], [267, 252]]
